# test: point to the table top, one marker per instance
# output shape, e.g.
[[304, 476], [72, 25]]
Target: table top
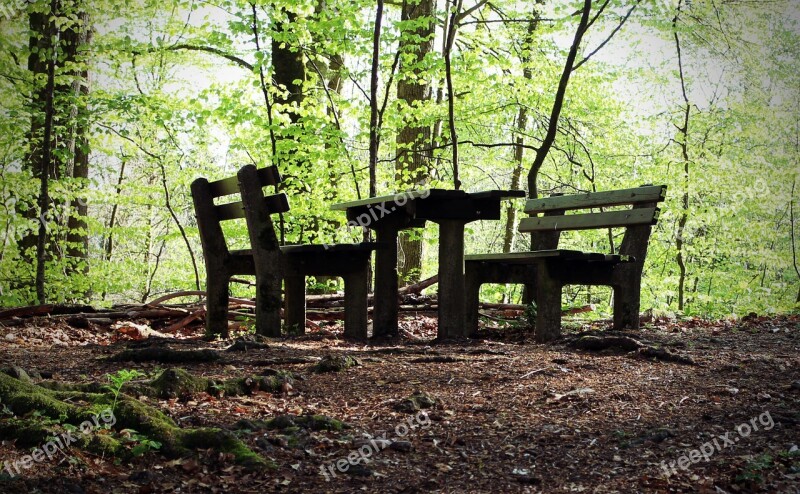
[[430, 194]]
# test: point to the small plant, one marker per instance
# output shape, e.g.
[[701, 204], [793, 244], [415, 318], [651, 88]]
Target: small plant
[[118, 380], [247, 324], [751, 472], [141, 444], [530, 314]]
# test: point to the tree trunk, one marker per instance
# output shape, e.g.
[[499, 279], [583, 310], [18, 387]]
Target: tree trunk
[[683, 143], [558, 103], [77, 232], [519, 140], [288, 68], [374, 138], [412, 166], [555, 113], [39, 43]]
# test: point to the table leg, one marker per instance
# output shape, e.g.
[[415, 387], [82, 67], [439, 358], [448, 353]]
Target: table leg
[[295, 303], [451, 279], [384, 320]]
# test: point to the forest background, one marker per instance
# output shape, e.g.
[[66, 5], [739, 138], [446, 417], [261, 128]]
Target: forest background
[[110, 109]]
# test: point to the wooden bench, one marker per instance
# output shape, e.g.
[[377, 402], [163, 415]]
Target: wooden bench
[[546, 269], [271, 263]]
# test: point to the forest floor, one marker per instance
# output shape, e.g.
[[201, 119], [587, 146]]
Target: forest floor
[[496, 414]]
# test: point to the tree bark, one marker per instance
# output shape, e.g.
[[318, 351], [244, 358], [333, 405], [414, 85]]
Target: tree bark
[[39, 43], [683, 143], [412, 166], [519, 150], [47, 158], [288, 68], [77, 229], [374, 138]]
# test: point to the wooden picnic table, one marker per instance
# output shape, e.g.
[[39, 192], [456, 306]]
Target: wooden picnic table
[[451, 210]]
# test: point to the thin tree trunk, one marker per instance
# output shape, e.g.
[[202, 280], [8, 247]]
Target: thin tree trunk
[[558, 103], [39, 45], [177, 221], [794, 242], [519, 149], [373, 101], [451, 35], [47, 158], [77, 229], [683, 143], [436, 135], [555, 113], [109, 247]]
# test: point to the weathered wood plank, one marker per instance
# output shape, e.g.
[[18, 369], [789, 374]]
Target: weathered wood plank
[[320, 249], [533, 256], [497, 194], [274, 204], [642, 216], [400, 198], [650, 193], [230, 185]]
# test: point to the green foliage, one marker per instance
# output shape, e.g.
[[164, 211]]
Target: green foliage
[[138, 443], [752, 472]]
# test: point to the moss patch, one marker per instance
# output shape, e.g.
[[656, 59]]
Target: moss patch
[[335, 363]]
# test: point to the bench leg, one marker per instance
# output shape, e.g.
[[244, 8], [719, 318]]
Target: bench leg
[[295, 312], [356, 286], [472, 290], [268, 305], [626, 304], [217, 303], [548, 305]]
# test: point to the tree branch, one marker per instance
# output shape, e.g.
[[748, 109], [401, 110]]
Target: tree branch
[[207, 49], [613, 33]]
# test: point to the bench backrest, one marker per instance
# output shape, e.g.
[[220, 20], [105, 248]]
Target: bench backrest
[[210, 215], [638, 219]]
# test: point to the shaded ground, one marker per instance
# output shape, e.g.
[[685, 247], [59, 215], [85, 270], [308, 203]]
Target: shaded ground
[[508, 415]]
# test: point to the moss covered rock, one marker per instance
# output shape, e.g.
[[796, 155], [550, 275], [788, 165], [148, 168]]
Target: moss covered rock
[[335, 363], [417, 401]]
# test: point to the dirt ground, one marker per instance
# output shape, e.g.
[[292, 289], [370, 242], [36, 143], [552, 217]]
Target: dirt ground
[[493, 415]]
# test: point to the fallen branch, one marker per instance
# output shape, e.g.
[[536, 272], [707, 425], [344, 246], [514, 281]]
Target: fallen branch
[[44, 310], [186, 321], [418, 287], [190, 293]]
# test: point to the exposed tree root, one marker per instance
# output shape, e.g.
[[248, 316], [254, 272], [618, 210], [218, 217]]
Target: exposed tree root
[[622, 343], [31, 404], [178, 383], [165, 355]]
